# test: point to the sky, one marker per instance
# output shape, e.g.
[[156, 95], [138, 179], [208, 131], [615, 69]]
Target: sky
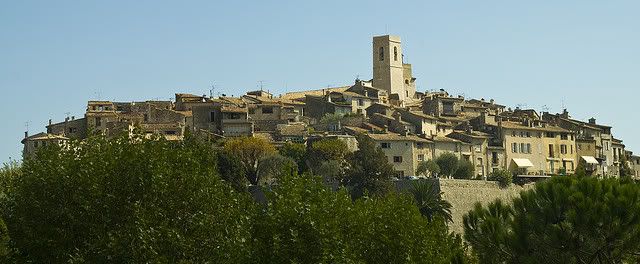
[[546, 55]]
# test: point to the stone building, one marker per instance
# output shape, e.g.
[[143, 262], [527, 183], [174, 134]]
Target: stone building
[[390, 73], [404, 152], [34, 142]]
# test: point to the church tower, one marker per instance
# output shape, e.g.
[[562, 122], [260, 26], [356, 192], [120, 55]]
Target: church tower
[[388, 68]]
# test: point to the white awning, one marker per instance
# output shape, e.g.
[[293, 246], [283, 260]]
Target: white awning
[[523, 163], [565, 159], [590, 159]]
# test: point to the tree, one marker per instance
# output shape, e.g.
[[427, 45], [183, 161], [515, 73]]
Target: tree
[[464, 170], [368, 170], [448, 163], [327, 150], [274, 167], [8, 174], [305, 222], [232, 170], [296, 152], [428, 168], [564, 219], [429, 201], [127, 200], [625, 169], [249, 151], [503, 177]]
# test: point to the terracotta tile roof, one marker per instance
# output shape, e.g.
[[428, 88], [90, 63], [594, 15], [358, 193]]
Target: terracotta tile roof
[[549, 128]]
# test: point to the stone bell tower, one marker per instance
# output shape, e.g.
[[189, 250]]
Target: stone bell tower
[[388, 67]]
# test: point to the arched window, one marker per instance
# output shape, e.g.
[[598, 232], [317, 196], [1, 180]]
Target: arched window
[[395, 53], [381, 55]]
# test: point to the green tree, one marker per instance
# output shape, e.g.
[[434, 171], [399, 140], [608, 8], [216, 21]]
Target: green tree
[[249, 151], [428, 168], [448, 164], [327, 150], [8, 174], [274, 167], [464, 170], [297, 152], [429, 201], [305, 222], [562, 220], [503, 177], [232, 170], [368, 170], [127, 200], [625, 169]]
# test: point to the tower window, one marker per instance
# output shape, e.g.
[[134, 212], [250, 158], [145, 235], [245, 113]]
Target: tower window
[[395, 53], [381, 55]]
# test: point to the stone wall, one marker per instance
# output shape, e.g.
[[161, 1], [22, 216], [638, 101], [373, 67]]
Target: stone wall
[[464, 194]]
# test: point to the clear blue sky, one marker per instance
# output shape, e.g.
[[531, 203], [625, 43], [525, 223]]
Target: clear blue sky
[[56, 55]]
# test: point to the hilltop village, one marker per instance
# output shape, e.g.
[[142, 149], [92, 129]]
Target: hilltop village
[[408, 125]]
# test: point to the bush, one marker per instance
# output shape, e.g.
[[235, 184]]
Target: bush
[[503, 177]]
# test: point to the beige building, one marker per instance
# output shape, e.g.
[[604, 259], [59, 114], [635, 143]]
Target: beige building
[[404, 152]]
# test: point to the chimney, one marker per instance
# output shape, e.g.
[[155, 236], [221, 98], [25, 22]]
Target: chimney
[[386, 128], [592, 121], [73, 117], [26, 134], [565, 113], [66, 119], [49, 121]]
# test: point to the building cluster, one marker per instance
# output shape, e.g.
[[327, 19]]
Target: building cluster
[[408, 125]]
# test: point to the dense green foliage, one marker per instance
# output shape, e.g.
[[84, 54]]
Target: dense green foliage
[[561, 220], [368, 172], [503, 177], [249, 151], [136, 200], [126, 200], [448, 164], [297, 152], [327, 150], [305, 222], [464, 170], [429, 201], [428, 168]]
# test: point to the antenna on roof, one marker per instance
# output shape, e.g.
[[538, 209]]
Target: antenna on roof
[[26, 125], [261, 84], [212, 90], [67, 114], [97, 94]]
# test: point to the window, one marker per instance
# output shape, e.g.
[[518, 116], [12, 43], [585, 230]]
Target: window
[[494, 157], [395, 53], [529, 148], [267, 110], [385, 145], [397, 159], [98, 121], [513, 133], [521, 133], [420, 157], [571, 148], [360, 102], [523, 148], [579, 147], [72, 130], [381, 54], [564, 136], [606, 145], [514, 147], [170, 132], [563, 149], [551, 150], [528, 134], [550, 135], [447, 107], [420, 145], [212, 116]]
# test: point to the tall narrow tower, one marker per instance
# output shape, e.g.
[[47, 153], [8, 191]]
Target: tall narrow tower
[[387, 65]]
